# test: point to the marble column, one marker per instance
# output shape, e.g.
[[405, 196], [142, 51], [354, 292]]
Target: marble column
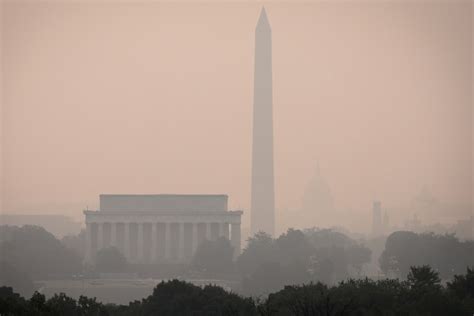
[[113, 234], [235, 239], [195, 238], [167, 241], [181, 242], [88, 254], [208, 231], [140, 243], [224, 230], [126, 241], [100, 236], [153, 242]]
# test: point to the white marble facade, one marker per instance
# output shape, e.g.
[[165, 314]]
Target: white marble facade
[[160, 228]]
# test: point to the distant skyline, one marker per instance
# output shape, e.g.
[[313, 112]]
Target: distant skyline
[[107, 97]]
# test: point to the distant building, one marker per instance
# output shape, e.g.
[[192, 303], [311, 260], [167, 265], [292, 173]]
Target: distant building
[[317, 205], [160, 228], [58, 225]]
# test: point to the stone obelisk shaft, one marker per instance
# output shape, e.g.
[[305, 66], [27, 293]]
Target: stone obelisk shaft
[[263, 196]]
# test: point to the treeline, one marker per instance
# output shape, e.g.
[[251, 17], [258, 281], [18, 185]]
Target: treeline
[[421, 294], [266, 264], [322, 255], [296, 257], [31, 253], [444, 253]]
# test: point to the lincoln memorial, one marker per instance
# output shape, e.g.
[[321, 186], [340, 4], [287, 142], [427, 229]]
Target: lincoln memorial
[[163, 228]]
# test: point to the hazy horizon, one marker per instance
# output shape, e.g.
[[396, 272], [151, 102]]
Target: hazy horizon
[[157, 98]]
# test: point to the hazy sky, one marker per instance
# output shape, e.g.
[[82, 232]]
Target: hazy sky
[[115, 97]]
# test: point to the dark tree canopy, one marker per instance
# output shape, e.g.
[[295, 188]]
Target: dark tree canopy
[[214, 256], [110, 259], [270, 277], [420, 295], [293, 246], [295, 257], [423, 277], [37, 252], [444, 253], [463, 285], [260, 249], [181, 298], [77, 243], [336, 256], [15, 278]]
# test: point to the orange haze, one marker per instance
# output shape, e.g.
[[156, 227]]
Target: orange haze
[[116, 97]]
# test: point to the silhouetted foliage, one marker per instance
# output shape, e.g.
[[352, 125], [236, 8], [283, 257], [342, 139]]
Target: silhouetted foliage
[[58, 305], [311, 299], [214, 256], [423, 277], [295, 257], [273, 276], [12, 303], [260, 249], [37, 252], [90, 306], [13, 277], [336, 256], [77, 243], [289, 269], [421, 294], [444, 253], [293, 246], [181, 298], [110, 259], [462, 287]]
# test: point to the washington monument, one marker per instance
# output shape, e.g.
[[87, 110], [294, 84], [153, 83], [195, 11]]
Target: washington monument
[[263, 195]]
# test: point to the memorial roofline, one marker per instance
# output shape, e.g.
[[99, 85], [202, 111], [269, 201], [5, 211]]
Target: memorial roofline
[[160, 212], [165, 194]]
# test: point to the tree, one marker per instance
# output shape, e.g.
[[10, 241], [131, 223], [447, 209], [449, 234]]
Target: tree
[[35, 251], [13, 277], [37, 304], [293, 246], [181, 298], [335, 255], [270, 277], [421, 294], [11, 303], [357, 256], [260, 249], [313, 299], [423, 277], [77, 243], [427, 296], [62, 305], [110, 259], [90, 306], [463, 285], [214, 256], [444, 253]]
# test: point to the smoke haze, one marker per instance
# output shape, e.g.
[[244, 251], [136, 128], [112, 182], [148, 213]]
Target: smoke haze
[[157, 98]]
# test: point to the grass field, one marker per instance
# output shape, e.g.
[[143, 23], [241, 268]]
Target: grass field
[[118, 291]]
